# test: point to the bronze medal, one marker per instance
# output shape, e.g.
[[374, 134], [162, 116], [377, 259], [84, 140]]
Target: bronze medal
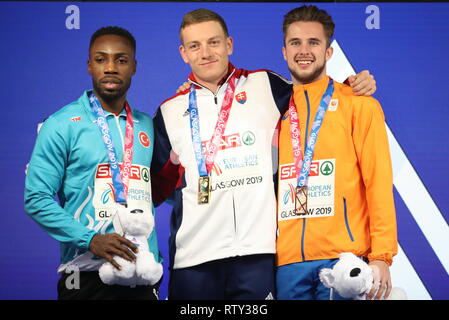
[[301, 201]]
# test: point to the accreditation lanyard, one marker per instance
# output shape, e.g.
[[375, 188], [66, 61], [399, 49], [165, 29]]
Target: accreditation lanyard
[[302, 165], [205, 162], [120, 178]]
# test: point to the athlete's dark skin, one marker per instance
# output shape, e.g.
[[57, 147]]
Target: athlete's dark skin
[[112, 64]]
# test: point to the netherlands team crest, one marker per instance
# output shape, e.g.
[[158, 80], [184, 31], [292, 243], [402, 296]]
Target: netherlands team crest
[[333, 105], [241, 97]]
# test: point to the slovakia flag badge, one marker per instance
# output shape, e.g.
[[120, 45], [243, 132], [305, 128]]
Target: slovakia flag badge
[[241, 97]]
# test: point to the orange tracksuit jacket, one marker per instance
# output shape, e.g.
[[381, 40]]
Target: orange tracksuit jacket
[[364, 220]]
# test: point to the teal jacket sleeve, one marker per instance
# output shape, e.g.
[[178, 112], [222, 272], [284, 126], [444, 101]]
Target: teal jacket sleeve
[[44, 179]]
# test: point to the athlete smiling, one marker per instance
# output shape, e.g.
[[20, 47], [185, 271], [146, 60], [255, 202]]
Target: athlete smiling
[[222, 240], [343, 138]]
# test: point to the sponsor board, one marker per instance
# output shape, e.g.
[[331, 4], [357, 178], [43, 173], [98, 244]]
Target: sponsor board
[[139, 192], [321, 190], [239, 163]]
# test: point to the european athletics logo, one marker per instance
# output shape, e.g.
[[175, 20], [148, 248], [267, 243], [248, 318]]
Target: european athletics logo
[[107, 194], [289, 195]]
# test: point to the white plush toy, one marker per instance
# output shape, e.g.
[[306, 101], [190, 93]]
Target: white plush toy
[[136, 226], [353, 278]]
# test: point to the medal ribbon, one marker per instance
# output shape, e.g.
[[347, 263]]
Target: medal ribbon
[[120, 178], [302, 166], [206, 162]]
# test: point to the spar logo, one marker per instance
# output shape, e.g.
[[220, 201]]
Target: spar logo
[[145, 174], [226, 142], [327, 168], [233, 141], [288, 171], [248, 138], [103, 171]]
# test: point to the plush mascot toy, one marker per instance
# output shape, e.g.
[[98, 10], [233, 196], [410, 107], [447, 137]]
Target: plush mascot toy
[[136, 225], [353, 278]]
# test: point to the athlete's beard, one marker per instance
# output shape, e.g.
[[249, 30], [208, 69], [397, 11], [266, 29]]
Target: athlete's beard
[[111, 96], [304, 79]]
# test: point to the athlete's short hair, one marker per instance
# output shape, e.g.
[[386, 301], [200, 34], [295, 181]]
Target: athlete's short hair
[[202, 15], [114, 30], [310, 13]]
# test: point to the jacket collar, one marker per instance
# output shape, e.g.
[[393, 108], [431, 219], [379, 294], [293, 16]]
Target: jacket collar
[[231, 70], [84, 101], [317, 87]]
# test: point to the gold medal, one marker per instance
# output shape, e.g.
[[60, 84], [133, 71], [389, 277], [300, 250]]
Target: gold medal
[[204, 190], [301, 200]]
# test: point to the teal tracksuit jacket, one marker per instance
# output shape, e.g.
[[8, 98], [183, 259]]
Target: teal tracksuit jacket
[[69, 161]]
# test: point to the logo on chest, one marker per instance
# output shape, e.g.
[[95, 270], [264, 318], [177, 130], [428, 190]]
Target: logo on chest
[[226, 142], [143, 139], [241, 97]]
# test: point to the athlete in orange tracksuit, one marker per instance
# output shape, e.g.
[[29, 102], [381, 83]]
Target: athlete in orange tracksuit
[[353, 141]]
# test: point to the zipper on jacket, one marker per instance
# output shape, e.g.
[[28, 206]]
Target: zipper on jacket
[[218, 88], [117, 121], [346, 220], [304, 149]]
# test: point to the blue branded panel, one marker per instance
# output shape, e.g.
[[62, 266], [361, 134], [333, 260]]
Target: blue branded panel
[[44, 67]]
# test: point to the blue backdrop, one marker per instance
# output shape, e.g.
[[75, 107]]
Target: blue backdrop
[[44, 53]]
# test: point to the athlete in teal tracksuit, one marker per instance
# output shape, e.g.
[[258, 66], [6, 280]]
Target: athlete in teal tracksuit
[[95, 155], [70, 160]]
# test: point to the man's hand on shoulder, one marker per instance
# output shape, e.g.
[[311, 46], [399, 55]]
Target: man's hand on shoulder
[[183, 87], [363, 84]]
